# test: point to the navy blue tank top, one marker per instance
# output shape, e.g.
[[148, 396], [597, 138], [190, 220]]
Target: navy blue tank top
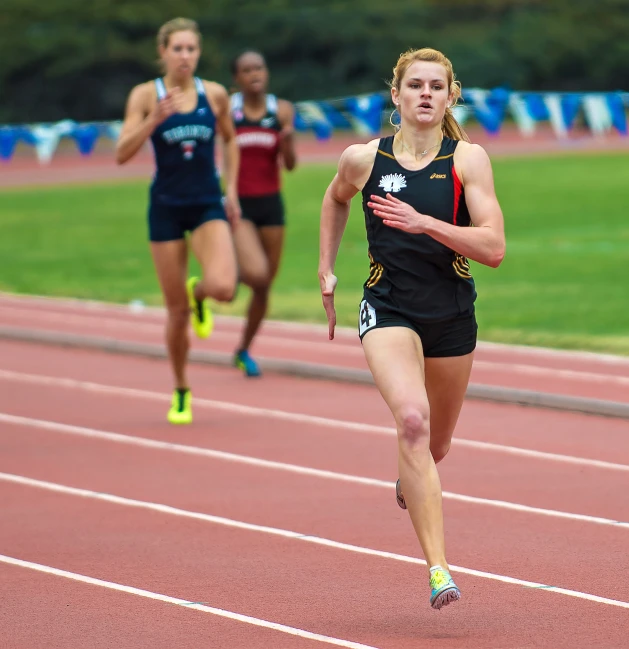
[[413, 273], [184, 155]]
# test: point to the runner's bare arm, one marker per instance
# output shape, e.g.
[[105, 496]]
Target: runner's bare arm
[[143, 114], [353, 171], [484, 243], [286, 116], [231, 154]]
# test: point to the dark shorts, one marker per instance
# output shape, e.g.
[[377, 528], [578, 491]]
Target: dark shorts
[[171, 222], [456, 337], [263, 210]]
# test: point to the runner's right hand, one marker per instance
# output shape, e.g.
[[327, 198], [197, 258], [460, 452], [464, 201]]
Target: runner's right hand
[[328, 283], [168, 105]]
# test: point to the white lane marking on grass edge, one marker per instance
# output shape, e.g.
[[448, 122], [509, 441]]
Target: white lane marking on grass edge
[[283, 415], [144, 442], [296, 536], [238, 617]]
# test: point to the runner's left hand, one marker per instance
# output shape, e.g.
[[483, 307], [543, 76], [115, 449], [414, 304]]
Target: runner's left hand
[[286, 132], [397, 214]]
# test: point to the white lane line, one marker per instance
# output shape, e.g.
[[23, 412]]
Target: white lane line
[[286, 467], [296, 536], [281, 327], [537, 371], [120, 324], [152, 314], [139, 592], [554, 354], [117, 324], [225, 406], [86, 319], [90, 317]]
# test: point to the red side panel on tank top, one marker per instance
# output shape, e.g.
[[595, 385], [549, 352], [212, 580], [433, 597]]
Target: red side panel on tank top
[[458, 189]]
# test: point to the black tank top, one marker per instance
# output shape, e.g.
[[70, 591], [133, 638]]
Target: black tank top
[[414, 274]]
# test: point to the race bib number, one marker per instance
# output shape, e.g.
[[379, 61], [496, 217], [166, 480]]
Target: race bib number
[[367, 317]]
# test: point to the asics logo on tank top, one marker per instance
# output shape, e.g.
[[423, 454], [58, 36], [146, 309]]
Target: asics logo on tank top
[[267, 122], [392, 182]]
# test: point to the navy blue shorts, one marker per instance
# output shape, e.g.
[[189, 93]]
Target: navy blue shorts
[[456, 337], [171, 222]]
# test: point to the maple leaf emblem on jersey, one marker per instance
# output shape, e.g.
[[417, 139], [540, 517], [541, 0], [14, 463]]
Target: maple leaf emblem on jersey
[[392, 182]]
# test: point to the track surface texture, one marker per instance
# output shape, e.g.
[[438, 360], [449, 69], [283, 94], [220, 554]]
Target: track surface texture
[[271, 520]]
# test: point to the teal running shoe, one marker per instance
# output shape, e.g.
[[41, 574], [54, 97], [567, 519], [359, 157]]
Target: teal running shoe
[[243, 361], [444, 590]]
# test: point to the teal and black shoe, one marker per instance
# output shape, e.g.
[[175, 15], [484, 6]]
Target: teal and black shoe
[[243, 361]]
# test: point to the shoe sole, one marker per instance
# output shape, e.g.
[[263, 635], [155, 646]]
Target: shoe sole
[[179, 422], [446, 597], [398, 495]]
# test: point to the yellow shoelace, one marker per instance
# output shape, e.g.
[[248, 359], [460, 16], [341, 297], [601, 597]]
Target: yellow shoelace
[[438, 579]]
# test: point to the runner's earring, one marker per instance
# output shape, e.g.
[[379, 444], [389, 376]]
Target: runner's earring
[[396, 124]]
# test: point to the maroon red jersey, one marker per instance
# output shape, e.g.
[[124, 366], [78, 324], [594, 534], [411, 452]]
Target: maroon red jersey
[[259, 144]]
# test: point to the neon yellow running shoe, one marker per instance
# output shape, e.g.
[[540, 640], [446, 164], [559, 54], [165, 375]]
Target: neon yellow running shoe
[[181, 408], [444, 590], [202, 321]]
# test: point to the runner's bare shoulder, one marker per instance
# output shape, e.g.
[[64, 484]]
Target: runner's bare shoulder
[[356, 163]]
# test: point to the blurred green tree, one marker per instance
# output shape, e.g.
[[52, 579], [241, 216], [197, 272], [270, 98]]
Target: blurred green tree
[[68, 59]]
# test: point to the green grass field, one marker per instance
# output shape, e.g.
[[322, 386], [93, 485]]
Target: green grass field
[[561, 284]]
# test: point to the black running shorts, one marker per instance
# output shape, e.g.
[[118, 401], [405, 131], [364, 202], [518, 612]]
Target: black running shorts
[[263, 211], [171, 222], [455, 337]]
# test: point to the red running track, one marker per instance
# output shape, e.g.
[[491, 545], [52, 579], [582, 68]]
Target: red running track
[[95, 483], [576, 374]]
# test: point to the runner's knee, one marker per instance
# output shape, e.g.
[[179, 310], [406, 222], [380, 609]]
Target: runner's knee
[[257, 278], [259, 281], [413, 424]]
